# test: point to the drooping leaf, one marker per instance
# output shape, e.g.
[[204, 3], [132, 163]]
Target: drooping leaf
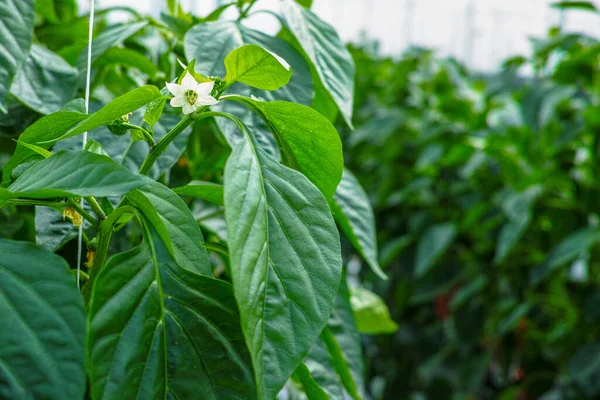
[[129, 58], [175, 224], [434, 242], [325, 50], [371, 314], [74, 173], [257, 67], [16, 20], [208, 191], [46, 82], [285, 261], [43, 325], [158, 330], [308, 141], [353, 212]]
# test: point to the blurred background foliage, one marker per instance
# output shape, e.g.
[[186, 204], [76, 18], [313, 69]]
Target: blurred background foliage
[[484, 189]]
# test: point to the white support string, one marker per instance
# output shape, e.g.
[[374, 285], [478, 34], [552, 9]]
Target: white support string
[[87, 110]]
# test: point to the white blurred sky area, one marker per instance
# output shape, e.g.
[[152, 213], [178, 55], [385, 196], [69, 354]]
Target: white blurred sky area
[[481, 33]]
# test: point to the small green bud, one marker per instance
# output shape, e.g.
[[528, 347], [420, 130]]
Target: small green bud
[[219, 84], [116, 127]]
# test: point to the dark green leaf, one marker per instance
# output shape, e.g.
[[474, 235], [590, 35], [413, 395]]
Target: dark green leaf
[[434, 242], [74, 173], [285, 261], [43, 326], [158, 330], [16, 20], [175, 224], [46, 82], [576, 5]]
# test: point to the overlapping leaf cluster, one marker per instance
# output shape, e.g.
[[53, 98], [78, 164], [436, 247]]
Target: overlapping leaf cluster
[[214, 266]]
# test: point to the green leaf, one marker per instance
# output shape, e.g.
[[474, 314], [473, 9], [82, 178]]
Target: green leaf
[[43, 332], [285, 261], [371, 314], [46, 82], [208, 191], [45, 8], [257, 67], [567, 250], [111, 37], [310, 385], [353, 212], [74, 173], [343, 327], [71, 121], [158, 330], [308, 141], [434, 242], [175, 224], [208, 43], [52, 231], [129, 58], [576, 5], [39, 150], [325, 50], [16, 20]]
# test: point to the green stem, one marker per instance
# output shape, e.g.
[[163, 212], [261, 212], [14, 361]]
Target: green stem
[[95, 207], [216, 247], [27, 202], [164, 143], [244, 13], [104, 234], [147, 135], [82, 212]]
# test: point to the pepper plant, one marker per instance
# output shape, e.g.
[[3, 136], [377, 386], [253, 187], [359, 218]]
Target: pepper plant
[[208, 194]]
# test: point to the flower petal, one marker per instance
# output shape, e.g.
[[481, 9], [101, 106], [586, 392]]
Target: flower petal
[[188, 108], [178, 101], [175, 89], [188, 82], [204, 88], [206, 101]]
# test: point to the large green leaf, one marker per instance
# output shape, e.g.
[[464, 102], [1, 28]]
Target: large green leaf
[[434, 242], [46, 81], [352, 210], [257, 67], [43, 326], [71, 121], [371, 314], [16, 31], [209, 43], [285, 261], [175, 224], [158, 330], [323, 47], [308, 141], [74, 173]]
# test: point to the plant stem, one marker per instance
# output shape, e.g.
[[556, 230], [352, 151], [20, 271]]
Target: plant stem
[[163, 144], [216, 247], [27, 202], [96, 207], [244, 13], [82, 212], [147, 135]]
